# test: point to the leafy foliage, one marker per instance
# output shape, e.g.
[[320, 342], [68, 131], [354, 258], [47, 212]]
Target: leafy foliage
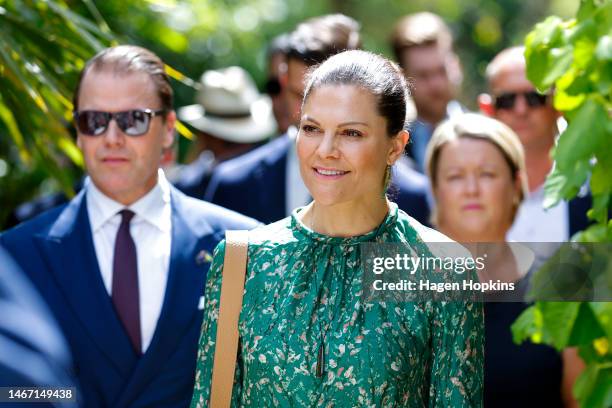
[[575, 57], [44, 46]]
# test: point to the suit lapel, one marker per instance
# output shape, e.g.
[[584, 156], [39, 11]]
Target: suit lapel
[[273, 184], [68, 249], [185, 286]]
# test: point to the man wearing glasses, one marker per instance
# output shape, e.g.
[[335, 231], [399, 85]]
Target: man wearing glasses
[[515, 101], [123, 265]]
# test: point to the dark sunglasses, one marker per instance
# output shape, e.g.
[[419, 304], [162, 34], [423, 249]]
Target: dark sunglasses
[[533, 98], [273, 86], [133, 122]]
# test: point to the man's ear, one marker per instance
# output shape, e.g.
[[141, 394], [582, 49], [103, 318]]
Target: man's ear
[[169, 129], [283, 78], [398, 146], [485, 103], [168, 157]]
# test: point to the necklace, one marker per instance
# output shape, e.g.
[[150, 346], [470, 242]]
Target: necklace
[[320, 368], [324, 328], [321, 354]]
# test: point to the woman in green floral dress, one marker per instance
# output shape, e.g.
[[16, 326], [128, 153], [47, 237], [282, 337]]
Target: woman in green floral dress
[[307, 338]]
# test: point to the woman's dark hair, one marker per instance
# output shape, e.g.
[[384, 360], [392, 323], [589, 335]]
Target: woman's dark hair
[[381, 77]]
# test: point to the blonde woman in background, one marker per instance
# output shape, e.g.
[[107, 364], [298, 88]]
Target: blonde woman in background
[[477, 171]]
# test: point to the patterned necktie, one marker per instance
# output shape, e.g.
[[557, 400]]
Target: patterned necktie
[[125, 281]]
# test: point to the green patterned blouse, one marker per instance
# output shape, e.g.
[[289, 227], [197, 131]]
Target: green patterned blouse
[[303, 289]]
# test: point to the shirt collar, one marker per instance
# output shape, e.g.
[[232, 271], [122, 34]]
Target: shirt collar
[[153, 207], [453, 108], [536, 195]]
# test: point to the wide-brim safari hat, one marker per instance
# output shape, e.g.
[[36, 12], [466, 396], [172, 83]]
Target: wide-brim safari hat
[[230, 107]]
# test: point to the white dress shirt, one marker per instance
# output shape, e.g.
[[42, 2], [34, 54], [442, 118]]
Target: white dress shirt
[[535, 224], [151, 230], [297, 193]]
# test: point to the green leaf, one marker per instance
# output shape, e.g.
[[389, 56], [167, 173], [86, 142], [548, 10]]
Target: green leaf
[[559, 320], [581, 85], [563, 101], [588, 124], [594, 233], [582, 29], [602, 174], [10, 61], [561, 324], [546, 35], [537, 64], [570, 88], [586, 327], [98, 17], [9, 120], [603, 312], [600, 395], [564, 184], [527, 325], [585, 383], [603, 80], [83, 23], [601, 207], [603, 17], [586, 10], [583, 51], [560, 60]]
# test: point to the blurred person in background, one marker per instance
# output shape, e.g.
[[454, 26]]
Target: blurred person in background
[[269, 176], [276, 86], [514, 101], [42, 203], [308, 338], [477, 170], [230, 118], [122, 265], [33, 352], [423, 46]]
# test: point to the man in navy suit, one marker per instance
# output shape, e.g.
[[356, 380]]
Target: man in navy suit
[[514, 101], [122, 266], [265, 183]]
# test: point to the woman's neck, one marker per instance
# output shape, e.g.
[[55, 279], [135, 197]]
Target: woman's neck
[[345, 219]]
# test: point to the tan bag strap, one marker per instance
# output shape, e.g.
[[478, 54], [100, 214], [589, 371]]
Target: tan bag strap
[[226, 346]]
